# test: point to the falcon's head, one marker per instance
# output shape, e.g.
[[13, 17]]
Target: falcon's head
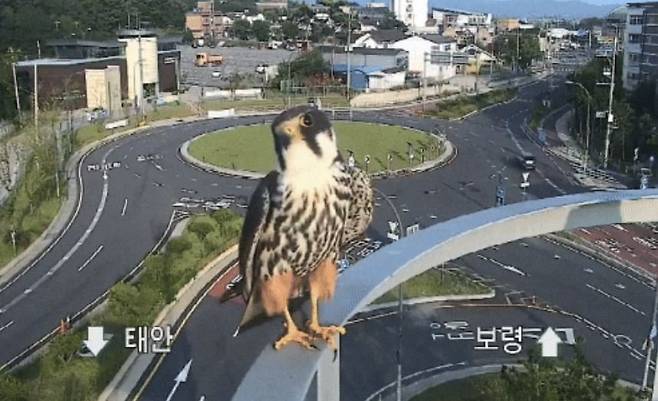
[[304, 139]]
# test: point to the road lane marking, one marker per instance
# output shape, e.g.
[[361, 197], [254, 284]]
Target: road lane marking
[[93, 255], [125, 205], [71, 251], [511, 268], [614, 298], [6, 326]]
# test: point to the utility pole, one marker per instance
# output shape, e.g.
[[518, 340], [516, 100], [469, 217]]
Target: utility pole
[[141, 71], [608, 129], [425, 60], [645, 377], [518, 48], [36, 98], [349, 64], [18, 98]]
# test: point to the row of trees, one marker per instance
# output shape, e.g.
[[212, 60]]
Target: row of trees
[[635, 113], [517, 48]]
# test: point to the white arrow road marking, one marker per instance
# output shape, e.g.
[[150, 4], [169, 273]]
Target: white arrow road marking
[[503, 265], [549, 342], [180, 378], [614, 298], [93, 255], [95, 341]]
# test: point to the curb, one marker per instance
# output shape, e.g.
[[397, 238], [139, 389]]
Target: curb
[[128, 377], [427, 300], [448, 155], [51, 235]]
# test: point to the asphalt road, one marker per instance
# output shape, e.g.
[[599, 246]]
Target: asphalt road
[[606, 307], [123, 217]]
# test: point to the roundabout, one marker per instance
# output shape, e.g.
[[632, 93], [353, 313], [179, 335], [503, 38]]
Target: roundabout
[[132, 206], [387, 147]]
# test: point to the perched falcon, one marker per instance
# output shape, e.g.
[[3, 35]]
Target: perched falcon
[[297, 220]]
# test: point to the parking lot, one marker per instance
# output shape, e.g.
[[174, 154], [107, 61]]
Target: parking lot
[[236, 59]]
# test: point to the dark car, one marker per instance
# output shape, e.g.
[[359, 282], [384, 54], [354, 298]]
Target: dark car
[[527, 161]]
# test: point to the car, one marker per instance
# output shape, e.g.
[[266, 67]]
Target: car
[[93, 167], [260, 68], [224, 203], [141, 158], [527, 161], [216, 74]]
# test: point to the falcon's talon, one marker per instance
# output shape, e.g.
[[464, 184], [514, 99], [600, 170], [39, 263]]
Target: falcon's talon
[[326, 333], [297, 336]]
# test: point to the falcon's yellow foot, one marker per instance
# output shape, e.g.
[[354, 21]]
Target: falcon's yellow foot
[[297, 336], [327, 333]]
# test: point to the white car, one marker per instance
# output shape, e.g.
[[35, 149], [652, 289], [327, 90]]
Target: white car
[[216, 74]]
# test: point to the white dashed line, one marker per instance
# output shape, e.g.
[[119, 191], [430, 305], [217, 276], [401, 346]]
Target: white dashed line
[[614, 298]]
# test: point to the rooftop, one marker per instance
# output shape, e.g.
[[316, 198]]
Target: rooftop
[[387, 35], [108, 44], [438, 39], [62, 62]]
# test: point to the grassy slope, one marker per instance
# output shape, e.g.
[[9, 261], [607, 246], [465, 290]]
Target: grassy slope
[[251, 148], [433, 283]]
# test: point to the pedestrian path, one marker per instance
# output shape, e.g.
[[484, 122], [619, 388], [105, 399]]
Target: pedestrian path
[[570, 150]]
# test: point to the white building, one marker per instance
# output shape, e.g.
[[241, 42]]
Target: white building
[[412, 12], [420, 49], [141, 64]]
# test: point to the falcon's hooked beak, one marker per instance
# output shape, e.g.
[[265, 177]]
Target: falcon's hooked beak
[[302, 136]]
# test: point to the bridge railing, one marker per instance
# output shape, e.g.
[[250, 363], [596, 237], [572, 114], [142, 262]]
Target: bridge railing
[[287, 375]]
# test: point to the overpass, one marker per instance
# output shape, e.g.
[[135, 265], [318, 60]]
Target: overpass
[[287, 375]]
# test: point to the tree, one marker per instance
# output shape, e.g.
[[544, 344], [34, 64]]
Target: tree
[[261, 30], [525, 46], [188, 37], [241, 29], [290, 30]]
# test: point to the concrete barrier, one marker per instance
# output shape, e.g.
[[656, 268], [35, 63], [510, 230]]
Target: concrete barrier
[[221, 113], [117, 124]]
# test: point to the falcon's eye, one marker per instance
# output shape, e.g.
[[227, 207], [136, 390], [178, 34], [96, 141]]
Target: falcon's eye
[[307, 120]]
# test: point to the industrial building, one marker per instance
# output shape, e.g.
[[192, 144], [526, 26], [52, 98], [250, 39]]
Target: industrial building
[[110, 75]]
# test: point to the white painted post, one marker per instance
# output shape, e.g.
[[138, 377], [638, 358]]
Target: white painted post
[[328, 376]]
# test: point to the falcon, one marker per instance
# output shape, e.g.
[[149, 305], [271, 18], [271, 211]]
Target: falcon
[[298, 218]]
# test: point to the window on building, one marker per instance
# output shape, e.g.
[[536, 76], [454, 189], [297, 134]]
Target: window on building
[[633, 57], [636, 19], [652, 19], [634, 38]]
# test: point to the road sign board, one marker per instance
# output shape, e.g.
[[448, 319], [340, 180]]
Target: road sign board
[[392, 236], [525, 185], [525, 176], [412, 229]]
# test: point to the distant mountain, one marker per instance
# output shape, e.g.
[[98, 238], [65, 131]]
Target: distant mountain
[[529, 8]]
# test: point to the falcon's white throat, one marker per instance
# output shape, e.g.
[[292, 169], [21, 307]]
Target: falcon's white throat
[[306, 169]]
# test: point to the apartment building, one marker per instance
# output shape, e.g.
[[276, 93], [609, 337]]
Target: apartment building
[[640, 43]]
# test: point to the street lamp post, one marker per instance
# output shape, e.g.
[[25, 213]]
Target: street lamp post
[[587, 126]]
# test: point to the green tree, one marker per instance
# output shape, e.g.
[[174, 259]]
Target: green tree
[[188, 37], [517, 49], [241, 29], [11, 389], [202, 226], [290, 30], [261, 30]]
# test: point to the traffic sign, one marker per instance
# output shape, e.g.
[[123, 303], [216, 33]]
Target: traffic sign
[[525, 185]]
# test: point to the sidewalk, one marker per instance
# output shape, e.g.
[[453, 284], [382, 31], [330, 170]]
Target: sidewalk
[[565, 147]]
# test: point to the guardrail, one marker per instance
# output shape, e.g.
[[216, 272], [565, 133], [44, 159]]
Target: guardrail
[[287, 375]]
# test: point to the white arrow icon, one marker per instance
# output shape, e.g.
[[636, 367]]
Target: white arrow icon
[[549, 341], [180, 378], [525, 175], [95, 341]]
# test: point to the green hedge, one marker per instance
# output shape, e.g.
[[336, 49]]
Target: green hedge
[[463, 105], [60, 375]]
